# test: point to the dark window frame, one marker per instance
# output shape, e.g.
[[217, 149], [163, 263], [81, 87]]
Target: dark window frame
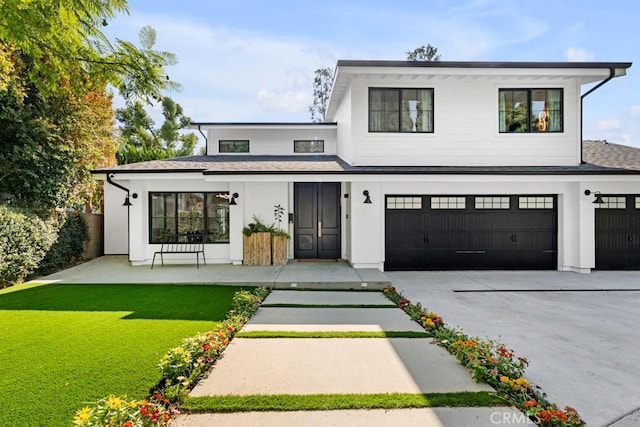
[[205, 214], [236, 141], [531, 127], [400, 90], [308, 140]]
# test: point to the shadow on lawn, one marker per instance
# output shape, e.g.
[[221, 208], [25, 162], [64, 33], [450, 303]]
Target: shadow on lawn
[[171, 302]]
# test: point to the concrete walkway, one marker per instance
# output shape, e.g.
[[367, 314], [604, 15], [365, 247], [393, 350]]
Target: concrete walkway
[[271, 366], [297, 275]]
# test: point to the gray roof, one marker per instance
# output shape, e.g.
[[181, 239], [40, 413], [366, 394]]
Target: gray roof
[[611, 155], [600, 157]]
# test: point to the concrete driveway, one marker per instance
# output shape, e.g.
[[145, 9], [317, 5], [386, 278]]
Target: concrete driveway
[[581, 333]]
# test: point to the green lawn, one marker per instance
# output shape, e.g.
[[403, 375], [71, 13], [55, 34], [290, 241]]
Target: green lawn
[[63, 345]]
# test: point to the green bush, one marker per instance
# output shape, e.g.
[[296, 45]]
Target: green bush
[[24, 240], [72, 232]]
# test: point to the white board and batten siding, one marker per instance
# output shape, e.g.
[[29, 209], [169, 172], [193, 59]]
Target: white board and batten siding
[[271, 139], [466, 131]]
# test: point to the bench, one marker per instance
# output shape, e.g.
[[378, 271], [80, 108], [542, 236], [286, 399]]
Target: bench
[[188, 243]]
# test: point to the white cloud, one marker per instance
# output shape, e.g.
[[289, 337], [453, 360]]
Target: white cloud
[[579, 55], [288, 101], [635, 110], [608, 125]]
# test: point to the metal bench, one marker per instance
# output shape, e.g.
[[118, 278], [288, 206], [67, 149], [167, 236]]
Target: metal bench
[[188, 243]]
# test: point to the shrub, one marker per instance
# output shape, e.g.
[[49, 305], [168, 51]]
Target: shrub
[[24, 240], [72, 232]]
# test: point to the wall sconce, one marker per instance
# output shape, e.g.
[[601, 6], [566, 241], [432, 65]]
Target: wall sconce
[[367, 199], [234, 196], [127, 202], [598, 197]]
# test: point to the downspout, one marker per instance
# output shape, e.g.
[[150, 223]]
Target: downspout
[[612, 74], [206, 141], [128, 205]]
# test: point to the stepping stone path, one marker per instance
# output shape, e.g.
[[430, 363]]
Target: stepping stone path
[[303, 366]]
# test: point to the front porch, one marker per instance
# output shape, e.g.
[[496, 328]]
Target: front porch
[[300, 275]]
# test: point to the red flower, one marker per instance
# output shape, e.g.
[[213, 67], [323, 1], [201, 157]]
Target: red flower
[[154, 416], [166, 417], [127, 424], [144, 411], [530, 403], [157, 396], [229, 328], [545, 416], [559, 414]]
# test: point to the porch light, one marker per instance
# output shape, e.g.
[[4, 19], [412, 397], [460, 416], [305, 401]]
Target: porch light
[[127, 202], [234, 196], [598, 197], [367, 199]]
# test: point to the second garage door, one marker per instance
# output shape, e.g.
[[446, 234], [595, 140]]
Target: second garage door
[[618, 233], [470, 232]]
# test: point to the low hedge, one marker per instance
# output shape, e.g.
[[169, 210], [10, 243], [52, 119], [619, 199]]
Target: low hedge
[[32, 245], [24, 241], [72, 232]]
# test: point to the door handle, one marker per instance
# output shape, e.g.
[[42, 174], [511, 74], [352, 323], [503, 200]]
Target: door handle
[[319, 228], [629, 238]]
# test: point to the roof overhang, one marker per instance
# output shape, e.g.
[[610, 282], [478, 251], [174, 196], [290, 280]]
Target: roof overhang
[[424, 71]]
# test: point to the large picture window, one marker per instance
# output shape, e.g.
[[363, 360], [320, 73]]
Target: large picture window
[[198, 214], [400, 110], [530, 110]]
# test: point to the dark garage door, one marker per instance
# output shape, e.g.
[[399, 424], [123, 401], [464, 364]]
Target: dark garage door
[[618, 233], [471, 232]]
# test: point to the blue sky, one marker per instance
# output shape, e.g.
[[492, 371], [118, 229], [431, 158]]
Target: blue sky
[[253, 60]]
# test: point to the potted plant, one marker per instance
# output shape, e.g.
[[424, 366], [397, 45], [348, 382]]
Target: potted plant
[[279, 238], [257, 243]]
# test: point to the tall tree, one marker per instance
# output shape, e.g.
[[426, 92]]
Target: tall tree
[[49, 142], [139, 140], [423, 53], [68, 48], [322, 82]]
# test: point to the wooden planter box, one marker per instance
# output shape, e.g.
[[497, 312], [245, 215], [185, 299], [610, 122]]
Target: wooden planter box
[[279, 250], [257, 249]]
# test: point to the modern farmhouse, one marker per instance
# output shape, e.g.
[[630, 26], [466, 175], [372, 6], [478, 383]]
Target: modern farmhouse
[[420, 166]]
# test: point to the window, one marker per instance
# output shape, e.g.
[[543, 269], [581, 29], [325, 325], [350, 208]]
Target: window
[[610, 202], [637, 202], [492, 202], [183, 213], [448, 203], [404, 202], [310, 146], [400, 110], [535, 202], [233, 146], [530, 110]]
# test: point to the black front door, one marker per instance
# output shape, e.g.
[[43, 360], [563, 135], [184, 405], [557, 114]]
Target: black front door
[[317, 220]]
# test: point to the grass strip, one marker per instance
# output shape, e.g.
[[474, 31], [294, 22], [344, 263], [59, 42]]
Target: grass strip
[[327, 402], [333, 334], [289, 305]]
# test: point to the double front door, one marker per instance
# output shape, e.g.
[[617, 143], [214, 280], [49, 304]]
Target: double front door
[[317, 220]]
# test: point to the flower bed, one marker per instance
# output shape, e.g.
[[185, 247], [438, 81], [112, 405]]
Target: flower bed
[[490, 362], [181, 368]]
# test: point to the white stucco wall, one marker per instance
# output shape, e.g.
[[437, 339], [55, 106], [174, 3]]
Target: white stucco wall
[[115, 220]]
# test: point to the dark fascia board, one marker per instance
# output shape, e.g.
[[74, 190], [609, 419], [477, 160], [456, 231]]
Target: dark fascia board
[[371, 172], [482, 64], [432, 172], [263, 124]]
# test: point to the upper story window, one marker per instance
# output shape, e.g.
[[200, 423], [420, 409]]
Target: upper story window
[[530, 110], [233, 146], [308, 146], [400, 110]]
